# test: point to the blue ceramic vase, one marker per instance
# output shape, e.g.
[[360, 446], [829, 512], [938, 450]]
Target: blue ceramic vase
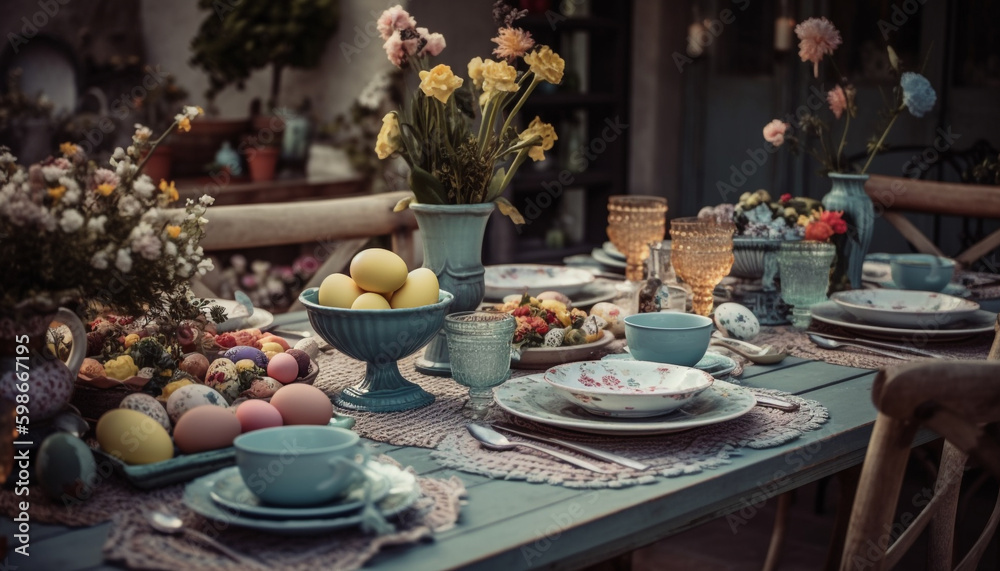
[[452, 236], [848, 195]]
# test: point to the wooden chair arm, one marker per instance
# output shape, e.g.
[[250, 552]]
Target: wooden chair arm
[[897, 193]]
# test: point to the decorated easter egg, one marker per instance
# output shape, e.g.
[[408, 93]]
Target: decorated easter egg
[[66, 467], [262, 388], [613, 315], [241, 352], [92, 368], [554, 338], [553, 296], [221, 370], [190, 396], [378, 270], [149, 406], [133, 437], [735, 320], [309, 345], [283, 367], [204, 428]]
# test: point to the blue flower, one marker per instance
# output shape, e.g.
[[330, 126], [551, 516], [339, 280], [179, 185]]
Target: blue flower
[[918, 95]]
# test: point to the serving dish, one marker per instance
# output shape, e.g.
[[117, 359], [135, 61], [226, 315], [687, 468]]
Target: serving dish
[[545, 357]]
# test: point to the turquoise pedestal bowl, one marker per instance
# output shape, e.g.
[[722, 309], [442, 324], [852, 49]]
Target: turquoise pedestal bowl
[[379, 337]]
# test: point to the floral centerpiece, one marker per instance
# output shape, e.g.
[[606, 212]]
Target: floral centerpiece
[[913, 93], [76, 231], [451, 160]]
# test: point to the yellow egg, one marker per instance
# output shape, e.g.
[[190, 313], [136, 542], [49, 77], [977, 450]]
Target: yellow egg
[[133, 437], [370, 301], [271, 348], [338, 290], [169, 388], [378, 270], [421, 288]]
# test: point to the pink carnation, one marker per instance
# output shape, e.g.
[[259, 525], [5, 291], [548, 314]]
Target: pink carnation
[[394, 19], [396, 48], [774, 132], [817, 37], [435, 43], [837, 100]]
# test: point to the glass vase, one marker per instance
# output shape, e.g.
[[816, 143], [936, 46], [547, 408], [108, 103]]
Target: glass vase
[[479, 344], [805, 277]]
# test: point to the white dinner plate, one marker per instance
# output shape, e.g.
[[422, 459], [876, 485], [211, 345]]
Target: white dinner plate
[[404, 491], [604, 259], [979, 322], [904, 309], [259, 319], [531, 398], [503, 280]]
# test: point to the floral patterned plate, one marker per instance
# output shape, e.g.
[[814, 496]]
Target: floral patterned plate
[[534, 278], [533, 399], [904, 308], [979, 322], [627, 389], [715, 364]]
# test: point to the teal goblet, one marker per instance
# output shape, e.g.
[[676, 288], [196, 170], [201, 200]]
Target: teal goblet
[[805, 277], [479, 343]]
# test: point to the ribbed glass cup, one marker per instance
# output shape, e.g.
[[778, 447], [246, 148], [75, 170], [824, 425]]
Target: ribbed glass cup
[[805, 277], [633, 222], [702, 254], [479, 345]]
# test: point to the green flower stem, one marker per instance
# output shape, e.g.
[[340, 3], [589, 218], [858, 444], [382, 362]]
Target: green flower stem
[[518, 160], [526, 144], [493, 105], [510, 117], [843, 138], [885, 133]]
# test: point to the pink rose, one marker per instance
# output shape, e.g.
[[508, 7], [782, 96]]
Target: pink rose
[[774, 132]]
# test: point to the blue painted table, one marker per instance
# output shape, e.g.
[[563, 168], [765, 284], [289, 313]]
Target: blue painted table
[[517, 525]]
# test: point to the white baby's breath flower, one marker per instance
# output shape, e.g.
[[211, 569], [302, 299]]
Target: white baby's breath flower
[[71, 221], [206, 200], [96, 224], [147, 246], [119, 154], [183, 268], [129, 206], [144, 187], [170, 249], [192, 111], [205, 266], [99, 260], [142, 133], [151, 216], [52, 173], [123, 261]]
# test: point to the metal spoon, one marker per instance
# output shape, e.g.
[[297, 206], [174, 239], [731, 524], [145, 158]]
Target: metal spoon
[[170, 524], [493, 440], [766, 355], [825, 343]]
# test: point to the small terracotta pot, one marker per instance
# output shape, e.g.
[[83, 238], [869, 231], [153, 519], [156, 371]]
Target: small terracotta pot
[[262, 162], [159, 164]]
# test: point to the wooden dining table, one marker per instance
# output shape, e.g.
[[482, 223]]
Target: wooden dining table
[[509, 524]]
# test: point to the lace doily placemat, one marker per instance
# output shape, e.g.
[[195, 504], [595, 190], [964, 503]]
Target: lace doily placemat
[[668, 455], [797, 343], [134, 543]]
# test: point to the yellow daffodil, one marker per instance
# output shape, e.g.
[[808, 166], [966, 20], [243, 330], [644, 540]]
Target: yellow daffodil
[[544, 130], [173, 231], [169, 190], [68, 149], [57, 192], [546, 64], [105, 189], [439, 82], [498, 76], [476, 72], [387, 142]]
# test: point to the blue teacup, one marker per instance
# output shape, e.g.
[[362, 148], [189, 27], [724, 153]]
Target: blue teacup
[[300, 465], [668, 337], [924, 272]]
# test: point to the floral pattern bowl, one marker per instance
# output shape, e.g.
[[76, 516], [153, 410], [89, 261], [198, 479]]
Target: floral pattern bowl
[[535, 279], [627, 389], [908, 309]]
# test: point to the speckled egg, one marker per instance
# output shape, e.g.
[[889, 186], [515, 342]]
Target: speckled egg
[[172, 386], [593, 325], [148, 405], [554, 338], [241, 352], [195, 364], [220, 371], [228, 388], [186, 398], [735, 320], [302, 358], [262, 388], [613, 315], [309, 345], [66, 467]]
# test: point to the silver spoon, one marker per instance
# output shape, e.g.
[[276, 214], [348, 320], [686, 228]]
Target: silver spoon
[[825, 343], [766, 355], [170, 524], [493, 440]]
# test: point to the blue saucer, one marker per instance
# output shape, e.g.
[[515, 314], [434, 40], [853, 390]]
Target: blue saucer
[[715, 364]]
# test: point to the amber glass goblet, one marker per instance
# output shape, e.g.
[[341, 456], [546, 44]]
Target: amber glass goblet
[[633, 222], [702, 254]]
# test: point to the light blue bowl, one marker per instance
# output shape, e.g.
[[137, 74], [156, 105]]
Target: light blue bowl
[[674, 338], [380, 337], [298, 465]]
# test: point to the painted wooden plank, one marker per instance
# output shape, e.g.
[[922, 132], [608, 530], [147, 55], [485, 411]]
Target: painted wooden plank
[[806, 377], [73, 551]]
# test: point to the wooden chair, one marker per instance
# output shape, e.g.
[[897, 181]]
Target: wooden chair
[[960, 400], [894, 195], [339, 228]]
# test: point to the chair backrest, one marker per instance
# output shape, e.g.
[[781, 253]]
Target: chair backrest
[[960, 400], [894, 195]]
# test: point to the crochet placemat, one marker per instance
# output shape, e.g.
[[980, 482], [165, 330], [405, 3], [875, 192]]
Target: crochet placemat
[[135, 544]]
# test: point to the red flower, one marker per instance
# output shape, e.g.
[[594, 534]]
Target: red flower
[[819, 231], [521, 311], [835, 220], [785, 198]]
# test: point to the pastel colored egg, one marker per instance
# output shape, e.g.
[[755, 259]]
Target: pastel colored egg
[[420, 288], [275, 339], [148, 405], [271, 347], [303, 404], [378, 270], [204, 428], [736, 321], [241, 352], [190, 396], [338, 290], [283, 367], [309, 345], [257, 414], [262, 388], [370, 301], [133, 437]]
